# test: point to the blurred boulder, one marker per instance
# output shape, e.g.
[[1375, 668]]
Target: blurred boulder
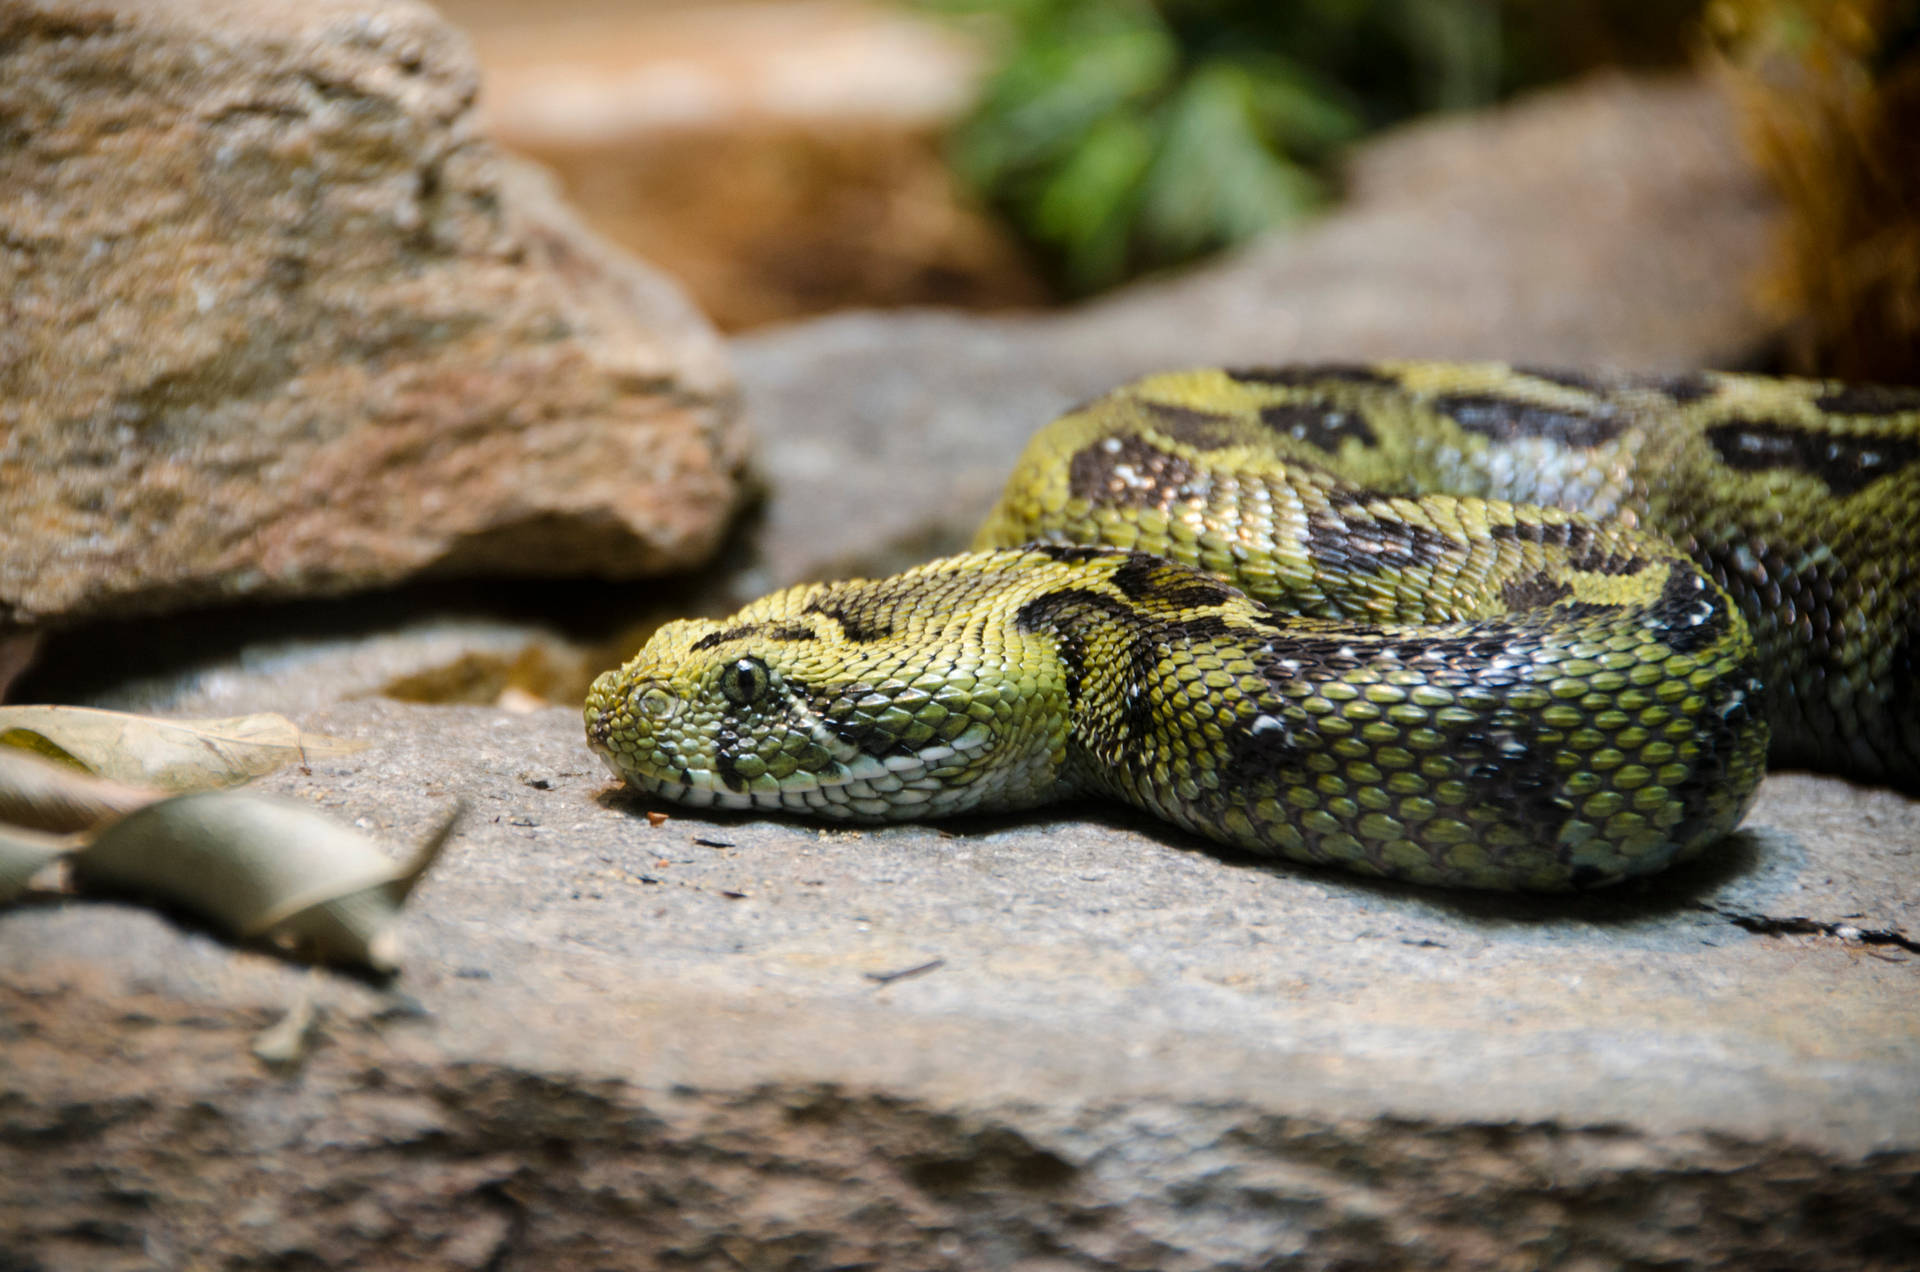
[[780, 159], [276, 320]]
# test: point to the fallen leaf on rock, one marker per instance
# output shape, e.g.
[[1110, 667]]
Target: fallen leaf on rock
[[175, 755], [260, 868], [48, 795], [24, 854]]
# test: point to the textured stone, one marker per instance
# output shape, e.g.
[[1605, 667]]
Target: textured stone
[[278, 321], [617, 1044]]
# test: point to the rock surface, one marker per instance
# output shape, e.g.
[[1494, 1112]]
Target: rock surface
[[1076, 1040], [278, 321]]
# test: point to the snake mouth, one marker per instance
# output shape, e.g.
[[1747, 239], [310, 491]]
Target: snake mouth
[[859, 787]]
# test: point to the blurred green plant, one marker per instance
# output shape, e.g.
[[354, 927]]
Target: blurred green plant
[[1125, 135]]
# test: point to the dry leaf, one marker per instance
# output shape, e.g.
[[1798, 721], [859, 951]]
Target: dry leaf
[[175, 755], [48, 795], [263, 868]]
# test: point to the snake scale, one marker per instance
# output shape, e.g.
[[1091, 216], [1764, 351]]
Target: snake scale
[[1456, 624]]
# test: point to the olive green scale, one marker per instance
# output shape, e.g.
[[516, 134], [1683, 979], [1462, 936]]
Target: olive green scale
[[1235, 600]]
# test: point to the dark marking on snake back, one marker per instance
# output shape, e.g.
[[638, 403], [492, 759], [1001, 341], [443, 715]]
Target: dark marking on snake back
[[859, 630], [1052, 614], [1072, 553], [1690, 387], [1063, 614], [766, 631], [1845, 464], [1319, 424], [1869, 399], [1313, 373], [1345, 537], [1206, 430], [1149, 578], [1126, 472], [1690, 614], [1506, 419], [1536, 591], [1586, 548]]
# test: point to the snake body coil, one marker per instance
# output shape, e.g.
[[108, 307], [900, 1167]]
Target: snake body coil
[[1245, 605]]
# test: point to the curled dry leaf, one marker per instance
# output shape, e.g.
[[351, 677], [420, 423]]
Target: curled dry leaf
[[24, 854], [48, 795], [175, 755], [264, 868]]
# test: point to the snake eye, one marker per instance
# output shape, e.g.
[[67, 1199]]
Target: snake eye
[[655, 703], [745, 682]]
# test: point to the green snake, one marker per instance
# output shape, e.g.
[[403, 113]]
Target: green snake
[[1455, 624]]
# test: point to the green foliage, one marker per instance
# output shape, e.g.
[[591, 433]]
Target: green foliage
[[1124, 135]]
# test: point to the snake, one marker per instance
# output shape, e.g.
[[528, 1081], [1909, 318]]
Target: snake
[[1457, 624]]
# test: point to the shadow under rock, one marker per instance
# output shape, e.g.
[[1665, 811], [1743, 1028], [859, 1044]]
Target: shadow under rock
[[83, 662]]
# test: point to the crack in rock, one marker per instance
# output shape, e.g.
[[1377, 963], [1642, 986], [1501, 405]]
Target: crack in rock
[[1800, 925]]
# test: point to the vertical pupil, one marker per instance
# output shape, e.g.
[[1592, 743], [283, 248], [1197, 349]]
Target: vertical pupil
[[749, 680]]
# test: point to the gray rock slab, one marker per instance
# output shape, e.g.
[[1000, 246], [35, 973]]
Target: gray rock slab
[[1077, 1035]]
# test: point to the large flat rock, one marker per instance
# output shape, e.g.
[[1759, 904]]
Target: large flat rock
[[625, 1044], [279, 321]]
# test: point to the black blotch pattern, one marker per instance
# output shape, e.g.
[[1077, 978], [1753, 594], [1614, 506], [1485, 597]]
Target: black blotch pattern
[[725, 765], [843, 718], [861, 631], [1683, 389], [1533, 592], [1582, 543], [1312, 373], [1345, 538], [1507, 419], [1690, 614], [1155, 475], [1149, 578], [720, 638], [1869, 399], [1319, 424], [1071, 553], [766, 631], [1845, 464], [1204, 429], [1058, 614]]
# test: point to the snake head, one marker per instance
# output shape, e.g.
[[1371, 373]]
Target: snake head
[[828, 701]]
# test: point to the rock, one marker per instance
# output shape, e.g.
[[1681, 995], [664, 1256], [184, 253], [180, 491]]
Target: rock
[[781, 160], [280, 322], [1076, 1039]]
